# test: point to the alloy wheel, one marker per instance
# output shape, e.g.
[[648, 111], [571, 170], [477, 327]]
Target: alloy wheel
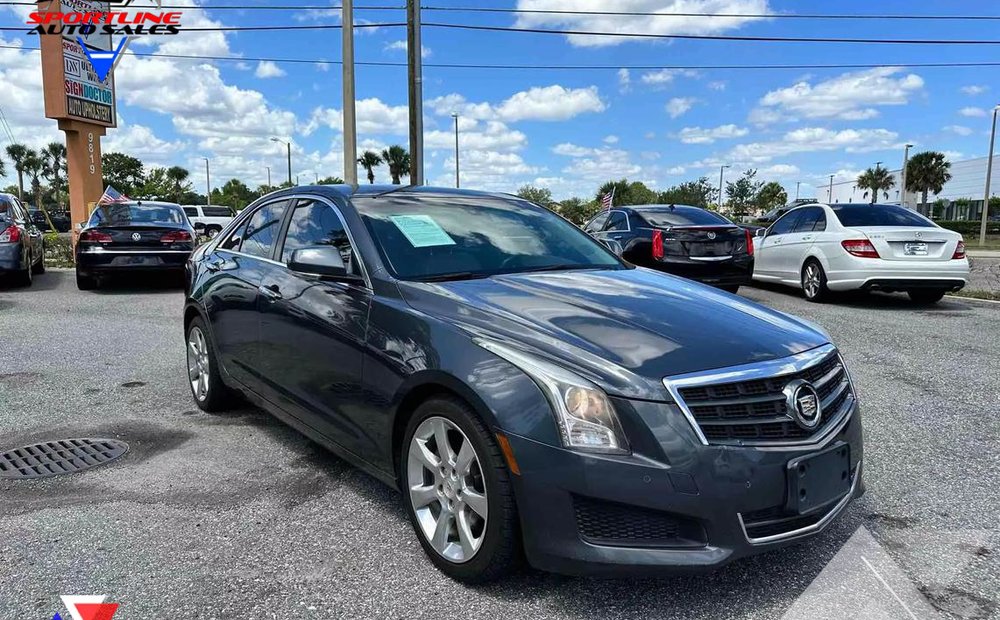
[[447, 489], [811, 280], [198, 363]]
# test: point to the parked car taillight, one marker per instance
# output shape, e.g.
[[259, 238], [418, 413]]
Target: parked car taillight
[[94, 236], [862, 248], [959, 251], [176, 236], [749, 241], [657, 244], [12, 234]]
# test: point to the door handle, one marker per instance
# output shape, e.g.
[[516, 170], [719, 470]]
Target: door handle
[[807, 238], [271, 292]]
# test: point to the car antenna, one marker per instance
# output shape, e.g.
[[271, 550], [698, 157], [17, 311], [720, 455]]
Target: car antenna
[[393, 190]]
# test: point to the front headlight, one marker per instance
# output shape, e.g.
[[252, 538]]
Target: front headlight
[[584, 415]]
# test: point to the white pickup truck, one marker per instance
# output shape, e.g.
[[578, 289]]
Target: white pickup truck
[[209, 221]]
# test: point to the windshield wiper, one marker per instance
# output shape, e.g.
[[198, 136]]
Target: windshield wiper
[[449, 277], [565, 267]]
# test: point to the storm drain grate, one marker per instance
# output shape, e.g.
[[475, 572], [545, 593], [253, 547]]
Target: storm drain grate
[[63, 456]]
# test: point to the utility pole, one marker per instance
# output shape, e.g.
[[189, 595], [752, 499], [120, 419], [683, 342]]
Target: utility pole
[[829, 197], [454, 115], [902, 175], [350, 124], [797, 184], [208, 185], [268, 176], [989, 172], [288, 145], [722, 170], [415, 74]]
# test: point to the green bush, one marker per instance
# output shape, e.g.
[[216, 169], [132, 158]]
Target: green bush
[[58, 251], [969, 227]]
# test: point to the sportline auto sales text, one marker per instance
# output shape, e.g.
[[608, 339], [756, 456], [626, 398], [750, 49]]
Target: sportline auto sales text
[[113, 23]]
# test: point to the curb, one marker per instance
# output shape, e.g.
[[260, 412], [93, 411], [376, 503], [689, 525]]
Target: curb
[[960, 298]]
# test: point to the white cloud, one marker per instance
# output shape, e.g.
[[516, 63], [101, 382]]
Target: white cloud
[[679, 105], [973, 112], [400, 46], [697, 135], [848, 97], [717, 85], [548, 103], [267, 69], [603, 162], [665, 76], [476, 135], [812, 139], [611, 139], [374, 117], [953, 155], [778, 170], [624, 80], [667, 24], [975, 89], [140, 141], [959, 129], [676, 170]]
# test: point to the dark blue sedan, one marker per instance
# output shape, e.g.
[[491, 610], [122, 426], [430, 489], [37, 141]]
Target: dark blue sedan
[[532, 396]]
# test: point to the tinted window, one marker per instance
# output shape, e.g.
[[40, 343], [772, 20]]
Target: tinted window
[[262, 230], [440, 236], [808, 220], [617, 221], [681, 216], [191, 211], [234, 240], [315, 223], [123, 215], [6, 210], [785, 225], [597, 223], [879, 215], [217, 212]]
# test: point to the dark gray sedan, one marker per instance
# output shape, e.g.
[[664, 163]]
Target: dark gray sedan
[[532, 396], [21, 252]]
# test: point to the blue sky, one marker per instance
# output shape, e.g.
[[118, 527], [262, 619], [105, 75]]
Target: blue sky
[[567, 130]]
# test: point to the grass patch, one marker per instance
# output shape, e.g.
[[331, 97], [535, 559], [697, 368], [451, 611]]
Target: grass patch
[[972, 242], [990, 295]]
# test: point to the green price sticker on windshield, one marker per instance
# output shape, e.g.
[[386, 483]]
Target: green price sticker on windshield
[[421, 231]]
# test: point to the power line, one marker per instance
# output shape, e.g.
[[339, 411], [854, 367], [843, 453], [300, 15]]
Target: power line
[[440, 65], [253, 28], [455, 9], [709, 37]]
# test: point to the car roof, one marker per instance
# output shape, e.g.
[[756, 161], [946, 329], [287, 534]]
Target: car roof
[[641, 208], [152, 203]]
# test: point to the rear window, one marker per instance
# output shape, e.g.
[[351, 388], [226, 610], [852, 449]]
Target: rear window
[[681, 216], [123, 215], [852, 215], [6, 210], [217, 212]]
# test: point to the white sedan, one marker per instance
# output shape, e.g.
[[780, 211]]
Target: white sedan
[[821, 248]]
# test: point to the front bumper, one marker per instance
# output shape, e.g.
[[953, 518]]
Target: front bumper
[[692, 507], [101, 261]]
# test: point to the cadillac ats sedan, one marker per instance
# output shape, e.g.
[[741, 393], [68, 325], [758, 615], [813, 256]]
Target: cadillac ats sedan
[[531, 395]]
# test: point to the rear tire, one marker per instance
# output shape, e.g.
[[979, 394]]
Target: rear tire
[[924, 296], [445, 485], [39, 268], [212, 231], [24, 277], [207, 388], [85, 282], [814, 282]]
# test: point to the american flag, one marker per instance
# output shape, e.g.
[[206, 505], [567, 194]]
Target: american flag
[[607, 199], [112, 197]]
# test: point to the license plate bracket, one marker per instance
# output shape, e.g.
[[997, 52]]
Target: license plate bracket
[[916, 248], [816, 480]]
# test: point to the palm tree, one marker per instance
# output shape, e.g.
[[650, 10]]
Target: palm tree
[[398, 160], [177, 176], [17, 153], [369, 160], [33, 165], [876, 180], [53, 165], [927, 172]]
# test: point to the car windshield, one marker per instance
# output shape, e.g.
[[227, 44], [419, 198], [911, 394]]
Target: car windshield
[[851, 215], [426, 237], [681, 216], [123, 215]]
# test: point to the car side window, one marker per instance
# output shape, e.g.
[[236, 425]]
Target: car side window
[[820, 224], [785, 224], [315, 223], [597, 223], [217, 212], [617, 221], [19, 212], [191, 211], [807, 220], [262, 230]]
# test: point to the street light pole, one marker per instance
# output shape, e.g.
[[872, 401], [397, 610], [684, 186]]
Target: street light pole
[[797, 184], [288, 144], [829, 196], [722, 169], [454, 115], [208, 185], [902, 175], [415, 91], [989, 172], [350, 124], [268, 176]]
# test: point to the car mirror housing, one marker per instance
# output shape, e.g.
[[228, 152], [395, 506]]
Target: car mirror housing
[[322, 261]]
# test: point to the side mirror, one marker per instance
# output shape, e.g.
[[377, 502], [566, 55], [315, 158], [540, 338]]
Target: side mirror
[[323, 260], [761, 232], [614, 246]]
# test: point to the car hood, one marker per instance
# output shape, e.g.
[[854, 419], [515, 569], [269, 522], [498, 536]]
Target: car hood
[[624, 329]]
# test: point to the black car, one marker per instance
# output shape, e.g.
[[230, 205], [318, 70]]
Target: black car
[[22, 255], [60, 219], [527, 390], [149, 237], [687, 241]]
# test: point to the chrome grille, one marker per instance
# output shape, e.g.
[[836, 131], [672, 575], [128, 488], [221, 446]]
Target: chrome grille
[[747, 405]]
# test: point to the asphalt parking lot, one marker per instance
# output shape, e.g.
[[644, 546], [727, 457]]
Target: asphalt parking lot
[[237, 516]]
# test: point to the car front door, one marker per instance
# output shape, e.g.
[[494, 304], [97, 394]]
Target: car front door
[[237, 266], [798, 241], [313, 331], [769, 256]]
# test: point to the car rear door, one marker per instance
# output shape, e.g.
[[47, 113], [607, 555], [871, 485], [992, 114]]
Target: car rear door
[[313, 330]]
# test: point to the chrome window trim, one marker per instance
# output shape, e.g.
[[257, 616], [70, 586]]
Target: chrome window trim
[[253, 256], [809, 529], [628, 224], [347, 229], [748, 372]]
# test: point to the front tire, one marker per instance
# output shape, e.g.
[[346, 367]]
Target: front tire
[[923, 296], [814, 282], [207, 388], [457, 492]]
